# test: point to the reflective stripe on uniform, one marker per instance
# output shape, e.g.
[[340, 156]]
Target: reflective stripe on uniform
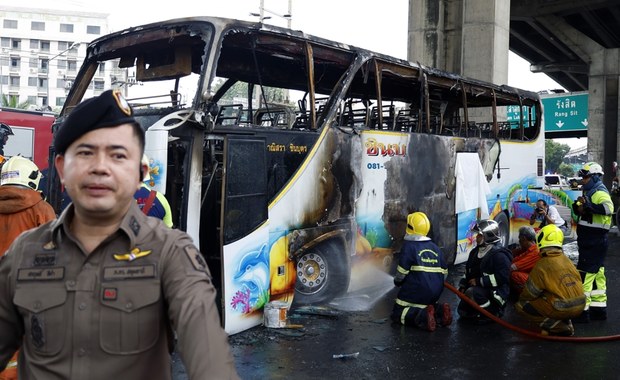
[[410, 304], [421, 268]]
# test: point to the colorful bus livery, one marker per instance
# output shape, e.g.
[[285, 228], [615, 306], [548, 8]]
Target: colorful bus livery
[[293, 161]]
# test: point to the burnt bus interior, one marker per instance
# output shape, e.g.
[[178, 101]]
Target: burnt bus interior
[[342, 86]]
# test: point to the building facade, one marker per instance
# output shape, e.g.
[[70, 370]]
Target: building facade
[[41, 51]]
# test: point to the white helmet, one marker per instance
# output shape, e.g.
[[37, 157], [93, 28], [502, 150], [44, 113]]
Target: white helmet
[[489, 229], [590, 168], [20, 171]]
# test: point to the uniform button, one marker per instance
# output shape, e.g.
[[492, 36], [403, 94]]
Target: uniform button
[[71, 283], [128, 305], [37, 305], [81, 352], [82, 306]]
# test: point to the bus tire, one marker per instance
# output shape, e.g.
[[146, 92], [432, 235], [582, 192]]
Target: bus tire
[[504, 228], [323, 273]]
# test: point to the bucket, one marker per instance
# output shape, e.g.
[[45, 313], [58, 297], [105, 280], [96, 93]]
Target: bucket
[[274, 314]]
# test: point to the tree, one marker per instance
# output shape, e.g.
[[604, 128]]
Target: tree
[[554, 155], [566, 170], [12, 102]]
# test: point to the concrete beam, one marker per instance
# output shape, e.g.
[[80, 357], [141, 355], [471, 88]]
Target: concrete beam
[[576, 41], [520, 9]]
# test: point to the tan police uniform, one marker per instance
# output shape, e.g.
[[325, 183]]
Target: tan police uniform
[[107, 315]]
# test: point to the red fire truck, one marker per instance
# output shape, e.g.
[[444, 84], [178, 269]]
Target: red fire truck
[[32, 134]]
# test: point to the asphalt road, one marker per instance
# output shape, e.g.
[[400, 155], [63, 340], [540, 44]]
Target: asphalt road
[[375, 348]]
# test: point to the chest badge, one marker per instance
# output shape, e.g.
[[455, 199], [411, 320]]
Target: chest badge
[[135, 253]]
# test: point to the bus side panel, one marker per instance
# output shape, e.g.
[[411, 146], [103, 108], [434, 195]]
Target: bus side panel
[[511, 190], [403, 173]]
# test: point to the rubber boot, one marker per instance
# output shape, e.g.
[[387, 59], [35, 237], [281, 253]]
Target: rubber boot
[[598, 313]]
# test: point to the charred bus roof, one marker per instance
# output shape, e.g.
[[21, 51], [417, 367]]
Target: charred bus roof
[[274, 56]]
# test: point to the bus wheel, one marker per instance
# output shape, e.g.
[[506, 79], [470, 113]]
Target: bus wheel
[[323, 273], [504, 228]]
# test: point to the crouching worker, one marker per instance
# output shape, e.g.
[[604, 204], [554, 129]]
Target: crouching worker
[[487, 274], [420, 274], [524, 259], [553, 292]]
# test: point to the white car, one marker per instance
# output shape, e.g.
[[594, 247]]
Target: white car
[[556, 181]]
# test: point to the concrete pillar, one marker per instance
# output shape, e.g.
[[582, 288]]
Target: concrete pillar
[[604, 109], [486, 35], [469, 38]]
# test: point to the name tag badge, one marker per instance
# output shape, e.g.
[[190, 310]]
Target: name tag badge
[[40, 274], [128, 272]]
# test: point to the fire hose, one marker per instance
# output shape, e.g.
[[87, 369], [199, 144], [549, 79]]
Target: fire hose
[[586, 339]]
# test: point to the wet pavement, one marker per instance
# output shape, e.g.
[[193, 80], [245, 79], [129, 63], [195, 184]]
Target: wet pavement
[[365, 344]]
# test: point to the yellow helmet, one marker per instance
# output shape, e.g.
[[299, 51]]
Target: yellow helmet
[[418, 223], [550, 236], [18, 170]]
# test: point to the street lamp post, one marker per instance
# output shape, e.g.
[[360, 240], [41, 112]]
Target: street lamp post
[[47, 73]]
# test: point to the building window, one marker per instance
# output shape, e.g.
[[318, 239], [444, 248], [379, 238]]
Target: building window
[[72, 66], [14, 81], [32, 99], [37, 25], [42, 83], [101, 70], [61, 64], [34, 44], [4, 79], [93, 29], [60, 101], [5, 42], [66, 28], [10, 24], [43, 100], [16, 44], [33, 62], [99, 85], [60, 83], [44, 64], [15, 63], [32, 81], [45, 46]]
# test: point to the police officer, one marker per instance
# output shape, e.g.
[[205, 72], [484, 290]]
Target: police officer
[[595, 210], [96, 293], [5, 132]]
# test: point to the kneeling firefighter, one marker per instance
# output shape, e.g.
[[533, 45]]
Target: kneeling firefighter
[[487, 274], [420, 275]]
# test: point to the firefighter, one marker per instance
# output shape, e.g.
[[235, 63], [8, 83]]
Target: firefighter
[[487, 274], [21, 208], [595, 210], [420, 275], [553, 293], [5, 132]]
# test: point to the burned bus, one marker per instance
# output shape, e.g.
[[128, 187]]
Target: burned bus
[[292, 160]]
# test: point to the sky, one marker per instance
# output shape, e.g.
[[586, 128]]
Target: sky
[[365, 23]]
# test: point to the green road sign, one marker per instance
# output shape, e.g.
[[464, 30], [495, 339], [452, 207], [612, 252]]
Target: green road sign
[[565, 112]]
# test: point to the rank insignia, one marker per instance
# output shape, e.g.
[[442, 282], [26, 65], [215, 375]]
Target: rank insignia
[[49, 246], [135, 253]]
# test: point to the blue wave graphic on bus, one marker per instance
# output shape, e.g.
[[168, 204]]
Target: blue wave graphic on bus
[[373, 229]]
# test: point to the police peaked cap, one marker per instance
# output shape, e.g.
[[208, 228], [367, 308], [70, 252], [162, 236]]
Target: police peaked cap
[[110, 109]]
